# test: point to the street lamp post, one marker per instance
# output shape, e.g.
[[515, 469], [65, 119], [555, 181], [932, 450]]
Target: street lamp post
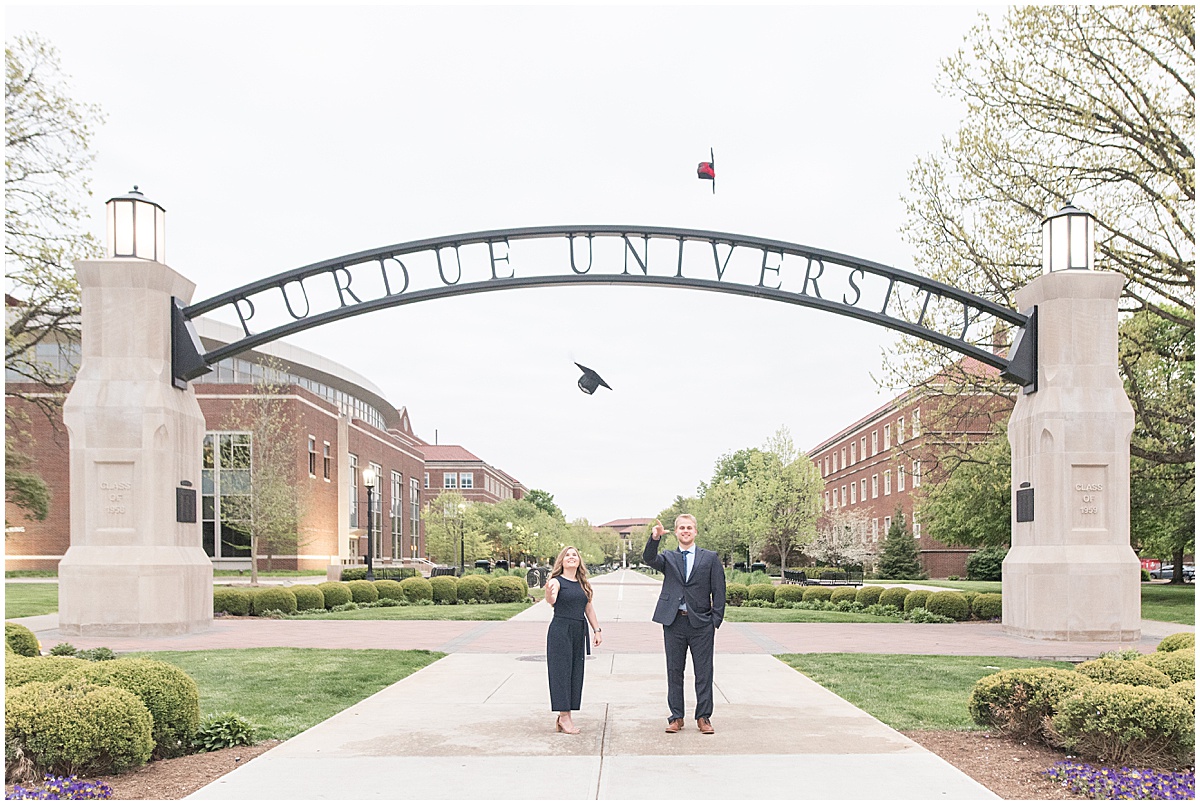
[[462, 543], [369, 481]]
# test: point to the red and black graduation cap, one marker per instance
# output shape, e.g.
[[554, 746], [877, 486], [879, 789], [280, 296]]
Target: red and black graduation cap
[[708, 170]]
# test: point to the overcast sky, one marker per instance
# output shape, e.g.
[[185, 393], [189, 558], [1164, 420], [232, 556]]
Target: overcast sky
[[280, 136]]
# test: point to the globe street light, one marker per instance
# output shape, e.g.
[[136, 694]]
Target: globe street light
[[369, 481]]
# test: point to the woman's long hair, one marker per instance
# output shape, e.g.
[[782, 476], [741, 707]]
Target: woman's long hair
[[580, 572]]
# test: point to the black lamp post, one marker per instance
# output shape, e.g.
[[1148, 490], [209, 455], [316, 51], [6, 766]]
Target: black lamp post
[[462, 544], [369, 481]]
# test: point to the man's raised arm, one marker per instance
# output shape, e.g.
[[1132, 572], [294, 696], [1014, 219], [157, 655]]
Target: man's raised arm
[[650, 554]]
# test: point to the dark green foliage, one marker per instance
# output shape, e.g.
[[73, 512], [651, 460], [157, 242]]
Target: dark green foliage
[[171, 696], [389, 588], [308, 597], [62, 650], [869, 595], [784, 593], [843, 594], [893, 597], [363, 592], [231, 600], [97, 654], [472, 588], [916, 598], [988, 606], [949, 604], [21, 640], [336, 593], [761, 592], [417, 589], [380, 573], [507, 589], [445, 589], [265, 599], [985, 564], [223, 731], [899, 558], [818, 593]]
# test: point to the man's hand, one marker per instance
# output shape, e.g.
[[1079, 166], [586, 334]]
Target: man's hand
[[658, 531]]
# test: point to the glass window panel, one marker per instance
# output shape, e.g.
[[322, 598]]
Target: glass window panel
[[235, 482], [207, 507], [210, 530], [235, 540]]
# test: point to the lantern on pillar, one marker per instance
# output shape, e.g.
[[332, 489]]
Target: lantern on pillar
[[136, 227], [1068, 241]]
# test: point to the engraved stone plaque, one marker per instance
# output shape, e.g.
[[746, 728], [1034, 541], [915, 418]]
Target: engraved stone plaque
[[115, 499], [1089, 496]]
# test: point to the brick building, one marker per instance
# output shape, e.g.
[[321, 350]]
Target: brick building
[[632, 533], [453, 468], [875, 465], [344, 425]]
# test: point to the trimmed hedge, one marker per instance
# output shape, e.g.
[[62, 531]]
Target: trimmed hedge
[[869, 595], [843, 594], [472, 588], [75, 727], [231, 600], [1179, 666], [363, 591], [916, 598], [507, 589], [1124, 672], [1177, 641], [171, 696], [388, 588], [948, 604], [445, 589], [988, 606], [21, 640], [308, 597], [336, 593], [1127, 725], [1017, 702], [818, 593], [1185, 690], [784, 593], [380, 573], [417, 589], [40, 669], [760, 592], [893, 596], [264, 599]]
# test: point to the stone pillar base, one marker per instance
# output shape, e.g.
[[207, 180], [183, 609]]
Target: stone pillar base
[[134, 591], [1073, 593]]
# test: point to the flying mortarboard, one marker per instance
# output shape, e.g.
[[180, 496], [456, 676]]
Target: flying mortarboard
[[590, 381]]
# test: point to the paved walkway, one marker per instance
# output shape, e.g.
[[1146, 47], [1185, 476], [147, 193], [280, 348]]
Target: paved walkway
[[476, 725]]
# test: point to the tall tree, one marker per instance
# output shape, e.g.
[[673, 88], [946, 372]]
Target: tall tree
[[973, 504], [1091, 104], [544, 501], [843, 539], [899, 558], [782, 496]]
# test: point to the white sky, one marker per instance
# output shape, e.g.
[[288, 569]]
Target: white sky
[[279, 136]]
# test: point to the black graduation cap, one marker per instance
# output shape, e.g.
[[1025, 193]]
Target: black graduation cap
[[589, 382]]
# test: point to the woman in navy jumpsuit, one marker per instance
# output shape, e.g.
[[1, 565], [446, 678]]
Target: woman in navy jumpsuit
[[570, 594]]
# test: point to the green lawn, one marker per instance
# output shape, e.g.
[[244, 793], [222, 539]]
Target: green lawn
[[271, 574], [1174, 603], [908, 691], [975, 586], [25, 600], [284, 691], [761, 615], [458, 612]]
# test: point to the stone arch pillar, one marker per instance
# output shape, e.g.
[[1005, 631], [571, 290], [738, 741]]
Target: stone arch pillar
[[1071, 573], [132, 568]]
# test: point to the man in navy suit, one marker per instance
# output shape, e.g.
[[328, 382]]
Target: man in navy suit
[[690, 608]]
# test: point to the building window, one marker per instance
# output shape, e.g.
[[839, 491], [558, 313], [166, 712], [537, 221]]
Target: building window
[[826, 501], [900, 431], [835, 464], [874, 486], [853, 453], [826, 465], [874, 442], [862, 447], [376, 517], [875, 529], [862, 490], [843, 458], [916, 423], [853, 493], [426, 480], [450, 480], [843, 495], [328, 460], [466, 480], [312, 457], [414, 516], [887, 525], [396, 515], [916, 526], [916, 473], [887, 436], [225, 495], [887, 482], [354, 499], [900, 478]]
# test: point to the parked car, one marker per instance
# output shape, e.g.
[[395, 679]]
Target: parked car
[[1167, 571]]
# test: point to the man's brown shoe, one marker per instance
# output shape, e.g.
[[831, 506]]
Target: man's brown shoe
[[675, 725], [705, 726]]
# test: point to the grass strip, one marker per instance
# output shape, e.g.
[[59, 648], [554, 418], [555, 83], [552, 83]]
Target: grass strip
[[26, 600], [284, 691], [763, 615], [908, 691], [439, 612], [1174, 603], [271, 574]]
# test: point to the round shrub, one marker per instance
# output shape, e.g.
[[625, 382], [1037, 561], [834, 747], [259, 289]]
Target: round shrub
[[336, 593], [1177, 641], [1185, 690], [1126, 724], [916, 598], [417, 589], [869, 595], [843, 594], [21, 640], [786, 593], [445, 589], [75, 727], [363, 591], [506, 590], [231, 600], [1124, 672], [760, 592], [1179, 666], [472, 588], [389, 588], [988, 606], [986, 564], [265, 598], [308, 597], [893, 596], [948, 604], [171, 696], [970, 596], [40, 669], [735, 594], [817, 593], [1017, 702]]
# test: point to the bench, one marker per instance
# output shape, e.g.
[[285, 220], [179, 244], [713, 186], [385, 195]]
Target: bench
[[443, 571], [795, 577], [837, 578]]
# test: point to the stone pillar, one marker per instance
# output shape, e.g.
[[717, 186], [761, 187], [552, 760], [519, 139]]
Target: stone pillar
[[132, 570], [1071, 573]]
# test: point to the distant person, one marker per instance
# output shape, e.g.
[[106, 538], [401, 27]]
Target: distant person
[[570, 594], [690, 608]]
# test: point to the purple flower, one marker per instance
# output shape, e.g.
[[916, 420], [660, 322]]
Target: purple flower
[[1124, 783], [63, 788]]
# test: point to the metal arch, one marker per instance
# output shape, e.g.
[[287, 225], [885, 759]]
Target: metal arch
[[1020, 368]]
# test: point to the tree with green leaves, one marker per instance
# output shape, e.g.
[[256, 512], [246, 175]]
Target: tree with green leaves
[[899, 558], [973, 504], [544, 501]]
